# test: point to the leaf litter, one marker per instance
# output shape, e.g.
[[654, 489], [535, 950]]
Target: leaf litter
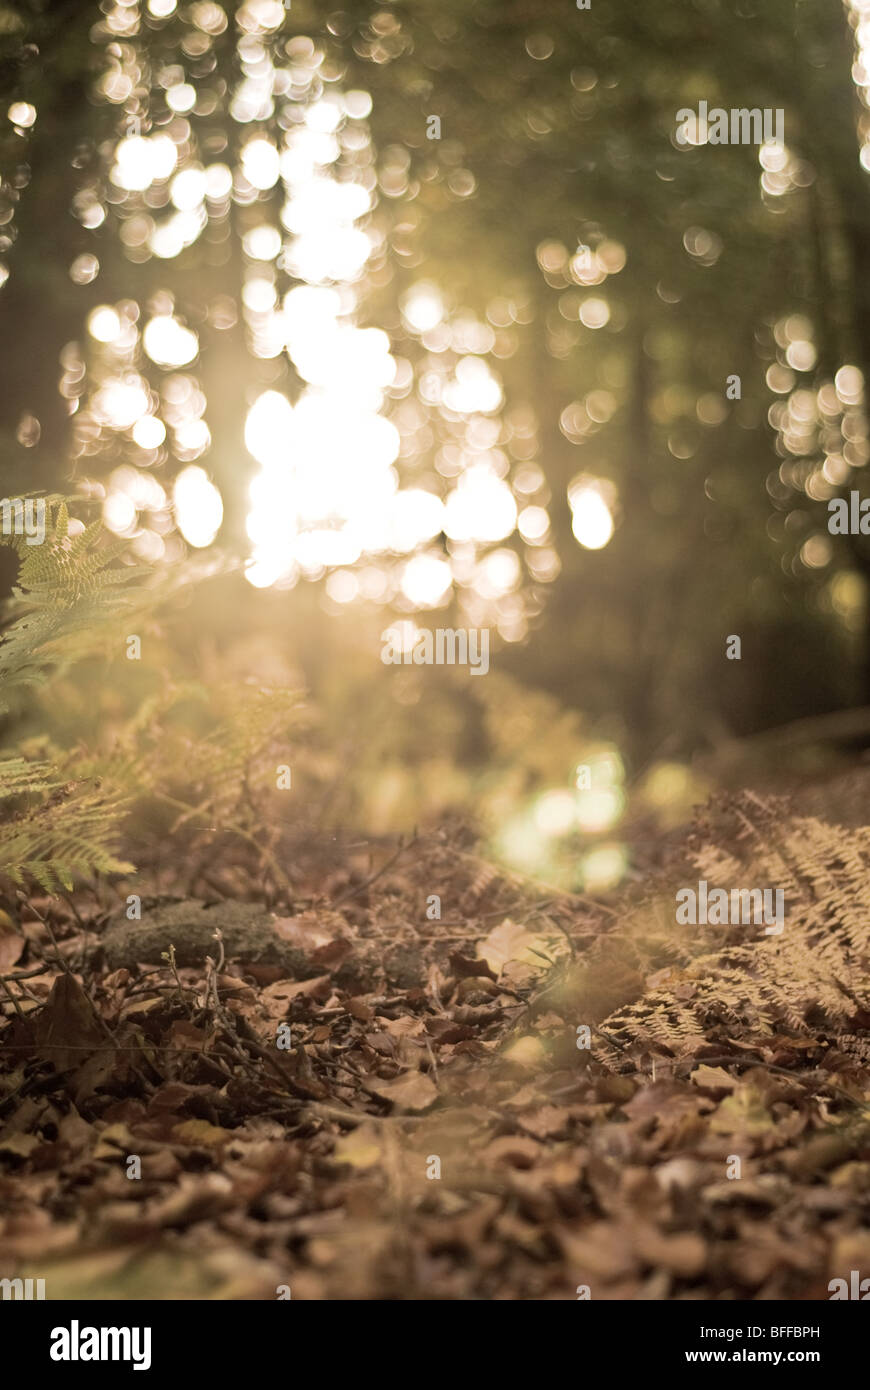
[[433, 1129]]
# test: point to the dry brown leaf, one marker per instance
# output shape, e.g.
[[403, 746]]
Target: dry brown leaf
[[744, 1112], [413, 1090], [276, 997], [201, 1134], [361, 1148], [21, 1145], [516, 1149], [466, 967], [713, 1079], [304, 932], [684, 1254], [66, 1029], [512, 942]]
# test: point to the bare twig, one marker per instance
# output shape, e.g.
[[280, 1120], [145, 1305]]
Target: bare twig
[[372, 878]]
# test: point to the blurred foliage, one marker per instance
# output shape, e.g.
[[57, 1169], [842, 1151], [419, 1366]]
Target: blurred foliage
[[557, 129]]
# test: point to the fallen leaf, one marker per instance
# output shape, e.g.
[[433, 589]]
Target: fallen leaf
[[201, 1134], [544, 1122], [276, 997], [21, 1145], [361, 1148], [512, 942], [713, 1079], [516, 1149], [66, 1029], [526, 1052], [684, 1254], [744, 1112], [413, 1090], [303, 932], [465, 967], [406, 1027]]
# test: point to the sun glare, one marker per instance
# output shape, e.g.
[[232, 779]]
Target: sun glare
[[592, 519]]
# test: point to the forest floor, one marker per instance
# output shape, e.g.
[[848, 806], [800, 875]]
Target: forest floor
[[438, 1127]]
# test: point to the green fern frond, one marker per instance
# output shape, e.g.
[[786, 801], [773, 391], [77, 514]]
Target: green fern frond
[[59, 824], [18, 777], [68, 592], [71, 834]]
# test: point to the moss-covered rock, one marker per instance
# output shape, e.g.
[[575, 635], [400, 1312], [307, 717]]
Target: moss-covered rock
[[248, 933]]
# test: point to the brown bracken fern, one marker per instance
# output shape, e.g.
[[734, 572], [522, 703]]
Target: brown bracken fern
[[813, 978]]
